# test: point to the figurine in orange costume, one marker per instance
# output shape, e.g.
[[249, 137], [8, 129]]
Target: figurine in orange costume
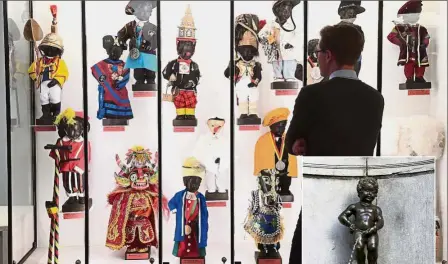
[[134, 201]]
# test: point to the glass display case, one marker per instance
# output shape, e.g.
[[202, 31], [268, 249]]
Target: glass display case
[[154, 130]]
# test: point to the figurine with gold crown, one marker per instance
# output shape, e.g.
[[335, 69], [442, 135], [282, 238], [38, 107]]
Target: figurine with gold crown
[[183, 73], [69, 156], [48, 71], [135, 204], [190, 208], [270, 152]]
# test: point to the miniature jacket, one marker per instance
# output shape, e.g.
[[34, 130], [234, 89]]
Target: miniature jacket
[[58, 70], [128, 32], [209, 148], [284, 38], [173, 67]]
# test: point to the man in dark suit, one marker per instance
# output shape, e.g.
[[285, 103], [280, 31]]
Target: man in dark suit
[[338, 117]]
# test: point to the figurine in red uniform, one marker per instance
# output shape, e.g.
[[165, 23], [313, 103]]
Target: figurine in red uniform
[[413, 40], [68, 153], [135, 205]]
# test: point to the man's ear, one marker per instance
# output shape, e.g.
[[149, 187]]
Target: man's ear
[[328, 55]]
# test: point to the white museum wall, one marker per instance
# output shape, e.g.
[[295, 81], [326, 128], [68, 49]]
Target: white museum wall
[[21, 150], [245, 142], [368, 21], [398, 104], [212, 54]]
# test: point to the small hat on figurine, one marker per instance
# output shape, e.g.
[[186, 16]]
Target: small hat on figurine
[[276, 115], [187, 31], [52, 40], [69, 115], [351, 4], [410, 7], [193, 167], [133, 4], [279, 2]]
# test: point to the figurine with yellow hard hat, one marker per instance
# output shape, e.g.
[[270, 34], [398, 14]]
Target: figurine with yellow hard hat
[[48, 71], [270, 152]]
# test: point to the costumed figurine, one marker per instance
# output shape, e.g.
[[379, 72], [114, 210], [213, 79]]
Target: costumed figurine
[[13, 35], [413, 40], [348, 11], [135, 204], [212, 150], [368, 220], [270, 152], [68, 154], [313, 71], [114, 107], [247, 68], [49, 72], [191, 231], [281, 43], [183, 73], [142, 36], [264, 222]]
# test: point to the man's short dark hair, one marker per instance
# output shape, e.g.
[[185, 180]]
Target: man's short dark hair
[[344, 41]]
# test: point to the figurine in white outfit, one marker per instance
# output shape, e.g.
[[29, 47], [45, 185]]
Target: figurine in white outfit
[[213, 150]]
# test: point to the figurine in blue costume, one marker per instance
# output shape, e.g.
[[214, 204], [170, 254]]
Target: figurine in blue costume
[[264, 222], [142, 36]]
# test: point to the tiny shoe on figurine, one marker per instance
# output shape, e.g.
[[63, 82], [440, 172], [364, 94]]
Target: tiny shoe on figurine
[[420, 80], [279, 80], [180, 117], [244, 116]]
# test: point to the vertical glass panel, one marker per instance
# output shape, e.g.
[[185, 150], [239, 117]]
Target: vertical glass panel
[[201, 100], [262, 116], [56, 71], [329, 14], [122, 67], [22, 138]]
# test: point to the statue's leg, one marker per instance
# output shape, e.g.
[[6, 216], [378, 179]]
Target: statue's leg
[[150, 76], [211, 182], [289, 69], [359, 248], [139, 75], [277, 67], [372, 249], [79, 181], [409, 71]]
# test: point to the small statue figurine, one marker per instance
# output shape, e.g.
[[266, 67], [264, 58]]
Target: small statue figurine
[[183, 73], [264, 222], [413, 40], [348, 11], [270, 152], [135, 204], [13, 35], [368, 219], [142, 36], [114, 107], [191, 231], [313, 71], [247, 69], [212, 149], [279, 40], [68, 153], [50, 73]]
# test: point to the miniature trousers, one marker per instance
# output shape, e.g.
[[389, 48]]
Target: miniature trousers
[[247, 99], [214, 182], [73, 183], [141, 75], [185, 102], [284, 69], [50, 95], [410, 68]]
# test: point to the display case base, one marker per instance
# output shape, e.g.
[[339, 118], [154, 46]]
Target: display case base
[[287, 198], [286, 205], [419, 92], [38, 128], [249, 123], [114, 129], [216, 203], [136, 256], [115, 122], [185, 125], [286, 92], [276, 259], [192, 260], [285, 85], [143, 94], [415, 86], [217, 196], [249, 128], [44, 122], [145, 87], [74, 209]]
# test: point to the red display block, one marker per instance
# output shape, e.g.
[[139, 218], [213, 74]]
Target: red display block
[[181, 129], [192, 261], [113, 129], [136, 256], [249, 127], [419, 92], [145, 93], [286, 92], [287, 205], [269, 261], [216, 203], [44, 128], [74, 215]]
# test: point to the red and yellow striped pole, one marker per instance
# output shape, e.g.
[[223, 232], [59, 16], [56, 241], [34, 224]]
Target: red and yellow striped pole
[[53, 211]]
